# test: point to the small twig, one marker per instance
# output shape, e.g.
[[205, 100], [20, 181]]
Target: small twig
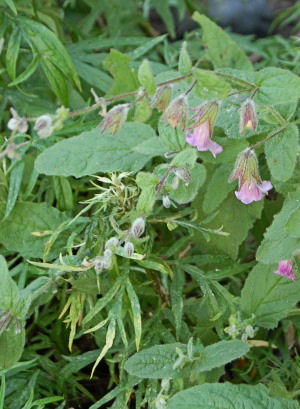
[[256, 145], [191, 87], [161, 183]]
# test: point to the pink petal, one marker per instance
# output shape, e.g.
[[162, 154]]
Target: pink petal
[[265, 186], [249, 193], [215, 148]]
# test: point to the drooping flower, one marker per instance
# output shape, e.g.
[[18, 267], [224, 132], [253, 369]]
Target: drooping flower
[[248, 117], [162, 97], [202, 129], [44, 126], [115, 118], [176, 113], [201, 138], [16, 123], [252, 191], [166, 201], [138, 227], [251, 187], [183, 174], [285, 268]]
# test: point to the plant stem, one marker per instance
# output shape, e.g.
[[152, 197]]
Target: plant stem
[[256, 145], [122, 96]]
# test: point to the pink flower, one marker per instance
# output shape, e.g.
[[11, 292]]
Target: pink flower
[[285, 268], [253, 191], [201, 137]]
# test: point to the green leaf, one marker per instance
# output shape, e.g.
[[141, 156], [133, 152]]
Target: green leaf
[[57, 81], [262, 295], [185, 194], [217, 188], [142, 109], [146, 78], [9, 292], [237, 227], [11, 347], [2, 391], [222, 51], [12, 6], [88, 153], [26, 218], [176, 292], [228, 396], [125, 80], [156, 263], [184, 63], [12, 53], [136, 313], [210, 86], [63, 193], [49, 47], [147, 182], [157, 362], [30, 69], [14, 186], [281, 153], [163, 10], [277, 86], [278, 244]]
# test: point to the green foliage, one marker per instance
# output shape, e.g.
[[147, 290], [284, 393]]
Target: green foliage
[[143, 245], [228, 396]]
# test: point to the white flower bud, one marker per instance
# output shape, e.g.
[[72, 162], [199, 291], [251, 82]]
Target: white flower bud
[[108, 254], [166, 201], [44, 126], [16, 123], [183, 174], [128, 249], [99, 264], [112, 243], [138, 227]]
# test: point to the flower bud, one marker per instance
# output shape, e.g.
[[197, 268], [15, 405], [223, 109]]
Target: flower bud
[[44, 126], [248, 118], [115, 118], [207, 111], [112, 243], [183, 174], [251, 187], [162, 97], [128, 249], [16, 123], [61, 116], [246, 166], [108, 254], [138, 227], [166, 201], [99, 264], [176, 113]]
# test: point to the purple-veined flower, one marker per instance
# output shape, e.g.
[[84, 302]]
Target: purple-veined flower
[[285, 268], [252, 191], [16, 123], [251, 187], [202, 129], [162, 97], [201, 138], [248, 117]]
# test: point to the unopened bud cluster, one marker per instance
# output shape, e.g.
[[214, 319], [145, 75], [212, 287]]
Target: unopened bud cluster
[[239, 328]]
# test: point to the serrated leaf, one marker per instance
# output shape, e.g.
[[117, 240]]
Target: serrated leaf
[[26, 218], [281, 153], [125, 79], [217, 188], [146, 78], [222, 51], [278, 244], [262, 295], [228, 396], [90, 152], [237, 227], [277, 86], [157, 362], [210, 86]]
